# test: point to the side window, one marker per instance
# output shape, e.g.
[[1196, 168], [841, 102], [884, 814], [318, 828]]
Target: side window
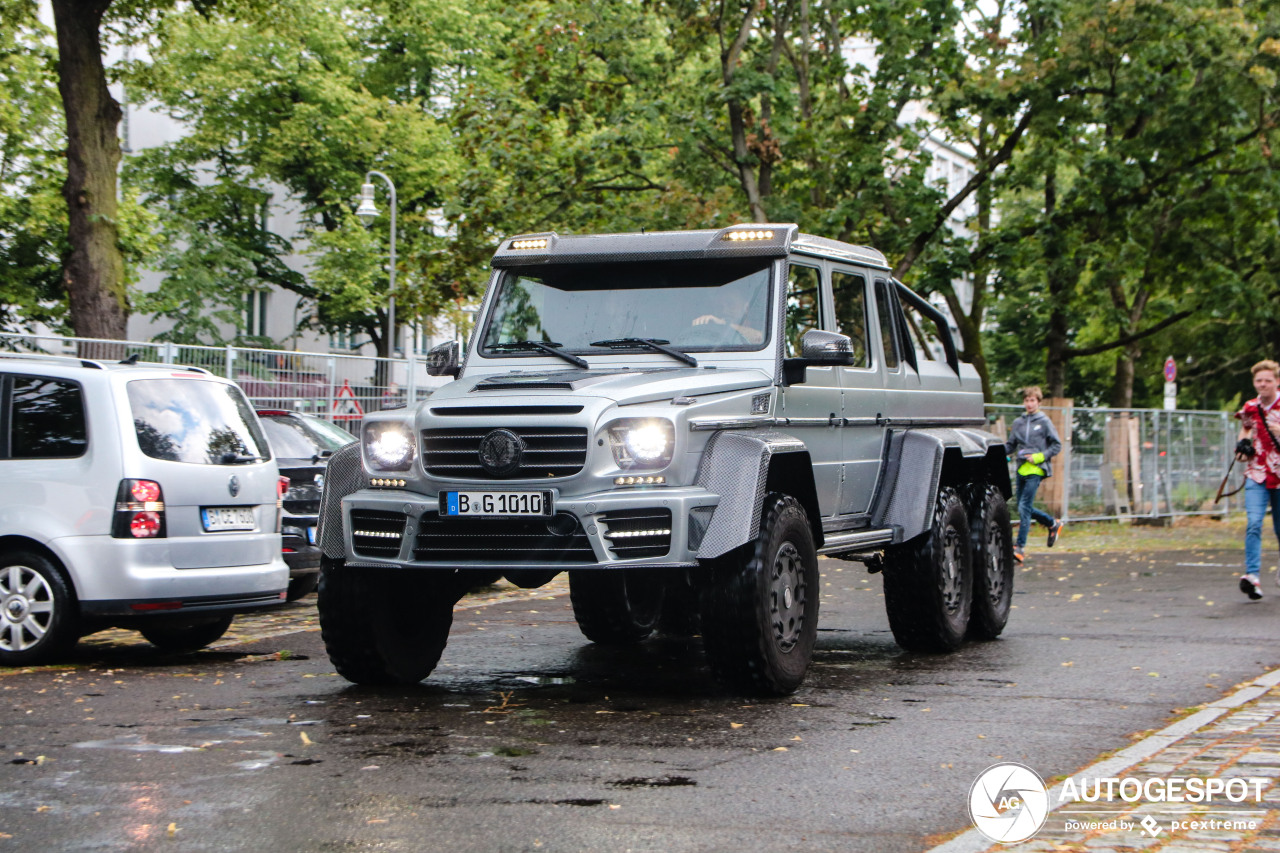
[[925, 335], [850, 293], [46, 419], [804, 289], [885, 313]]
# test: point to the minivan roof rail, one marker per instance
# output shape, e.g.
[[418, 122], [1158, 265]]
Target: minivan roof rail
[[38, 356]]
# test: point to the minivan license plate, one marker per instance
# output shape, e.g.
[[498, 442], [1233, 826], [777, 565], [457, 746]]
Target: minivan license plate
[[495, 503], [218, 518]]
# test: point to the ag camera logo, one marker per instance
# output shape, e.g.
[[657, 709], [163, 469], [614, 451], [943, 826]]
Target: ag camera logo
[[1008, 803]]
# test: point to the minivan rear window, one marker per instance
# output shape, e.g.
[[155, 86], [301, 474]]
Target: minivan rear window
[[195, 421]]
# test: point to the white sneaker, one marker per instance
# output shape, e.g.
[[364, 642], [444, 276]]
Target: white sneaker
[[1249, 586]]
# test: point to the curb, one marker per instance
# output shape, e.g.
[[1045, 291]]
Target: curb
[[973, 841]]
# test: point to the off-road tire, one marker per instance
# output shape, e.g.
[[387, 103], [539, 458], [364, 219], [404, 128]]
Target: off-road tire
[[760, 610], [928, 582], [681, 614], [991, 547], [39, 614], [181, 639], [383, 626], [302, 585], [616, 607]]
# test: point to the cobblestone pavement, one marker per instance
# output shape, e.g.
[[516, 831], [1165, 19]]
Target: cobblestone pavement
[[1235, 740]]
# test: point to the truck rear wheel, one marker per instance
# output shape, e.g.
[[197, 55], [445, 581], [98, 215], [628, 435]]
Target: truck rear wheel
[[616, 607], [928, 582], [991, 541], [760, 611], [383, 626]]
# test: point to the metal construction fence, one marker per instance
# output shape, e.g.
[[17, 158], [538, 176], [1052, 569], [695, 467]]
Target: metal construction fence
[[335, 386], [1135, 463], [1115, 463]]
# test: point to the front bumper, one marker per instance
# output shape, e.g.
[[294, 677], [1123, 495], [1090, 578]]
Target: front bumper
[[663, 526]]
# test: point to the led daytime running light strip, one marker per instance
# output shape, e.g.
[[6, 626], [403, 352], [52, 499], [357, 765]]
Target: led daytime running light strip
[[639, 481], [380, 481], [633, 534], [738, 236], [529, 244], [377, 534]]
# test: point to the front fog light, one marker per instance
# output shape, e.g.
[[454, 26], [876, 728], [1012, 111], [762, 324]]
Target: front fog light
[[388, 446], [642, 442]]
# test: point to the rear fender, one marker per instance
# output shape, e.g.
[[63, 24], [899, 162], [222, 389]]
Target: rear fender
[[921, 460]]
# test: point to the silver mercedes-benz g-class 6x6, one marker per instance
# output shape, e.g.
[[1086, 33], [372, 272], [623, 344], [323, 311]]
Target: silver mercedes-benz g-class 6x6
[[684, 422]]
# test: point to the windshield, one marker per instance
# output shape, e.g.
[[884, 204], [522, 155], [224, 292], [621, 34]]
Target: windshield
[[698, 306], [295, 437], [192, 420]]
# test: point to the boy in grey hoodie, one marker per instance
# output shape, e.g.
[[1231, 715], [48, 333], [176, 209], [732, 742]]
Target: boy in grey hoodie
[[1032, 443]]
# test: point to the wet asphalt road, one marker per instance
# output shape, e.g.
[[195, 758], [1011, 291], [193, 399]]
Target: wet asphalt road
[[529, 738]]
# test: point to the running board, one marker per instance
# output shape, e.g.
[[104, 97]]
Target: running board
[[863, 539]]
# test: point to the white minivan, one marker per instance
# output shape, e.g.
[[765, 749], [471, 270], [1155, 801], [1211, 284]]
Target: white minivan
[[131, 495]]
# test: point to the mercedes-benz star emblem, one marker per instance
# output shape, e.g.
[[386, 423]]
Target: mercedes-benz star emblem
[[233, 485], [500, 452]]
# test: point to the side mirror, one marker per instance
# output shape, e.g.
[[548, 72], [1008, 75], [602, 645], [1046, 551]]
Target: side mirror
[[444, 360], [819, 347]]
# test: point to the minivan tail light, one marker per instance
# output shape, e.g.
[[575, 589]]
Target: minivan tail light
[[282, 488], [139, 510]]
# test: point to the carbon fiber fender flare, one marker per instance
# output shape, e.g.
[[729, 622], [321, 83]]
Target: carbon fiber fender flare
[[921, 460], [741, 468], [343, 476]]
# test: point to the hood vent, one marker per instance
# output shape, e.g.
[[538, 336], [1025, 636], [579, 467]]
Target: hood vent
[[493, 411]]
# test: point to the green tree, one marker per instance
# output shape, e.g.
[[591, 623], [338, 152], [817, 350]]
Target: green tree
[[32, 214], [295, 102]]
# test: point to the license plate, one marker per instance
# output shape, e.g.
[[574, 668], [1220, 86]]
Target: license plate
[[227, 518], [495, 503], [311, 535]]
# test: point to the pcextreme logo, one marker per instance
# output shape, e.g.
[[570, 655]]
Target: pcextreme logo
[[1008, 803]]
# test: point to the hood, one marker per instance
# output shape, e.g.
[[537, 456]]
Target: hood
[[621, 386]]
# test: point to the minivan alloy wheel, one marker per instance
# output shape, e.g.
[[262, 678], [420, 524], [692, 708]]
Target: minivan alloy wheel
[[26, 608]]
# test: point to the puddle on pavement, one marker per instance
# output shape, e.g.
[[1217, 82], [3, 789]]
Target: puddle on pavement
[[134, 743]]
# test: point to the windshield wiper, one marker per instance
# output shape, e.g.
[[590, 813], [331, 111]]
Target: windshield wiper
[[548, 347], [655, 344], [231, 457]]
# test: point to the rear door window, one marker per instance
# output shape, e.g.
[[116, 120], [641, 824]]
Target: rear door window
[[46, 419], [195, 421]]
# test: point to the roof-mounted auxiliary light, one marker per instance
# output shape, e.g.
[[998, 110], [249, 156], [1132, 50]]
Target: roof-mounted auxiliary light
[[539, 243], [739, 236]]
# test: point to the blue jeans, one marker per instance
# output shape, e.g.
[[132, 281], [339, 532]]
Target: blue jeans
[[1027, 486], [1256, 499]]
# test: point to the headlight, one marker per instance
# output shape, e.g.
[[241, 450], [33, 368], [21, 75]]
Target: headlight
[[642, 442], [389, 446]]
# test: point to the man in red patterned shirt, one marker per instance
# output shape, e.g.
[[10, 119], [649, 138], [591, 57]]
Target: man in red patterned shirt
[[1260, 424]]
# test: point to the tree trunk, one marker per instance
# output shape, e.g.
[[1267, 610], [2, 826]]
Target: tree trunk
[[1122, 385], [1059, 276], [94, 270]]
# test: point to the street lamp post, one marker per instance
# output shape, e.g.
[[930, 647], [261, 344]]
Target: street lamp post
[[368, 212]]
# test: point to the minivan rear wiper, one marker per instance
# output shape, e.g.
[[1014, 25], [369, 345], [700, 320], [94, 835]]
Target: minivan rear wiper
[[233, 458], [547, 347], [655, 344]]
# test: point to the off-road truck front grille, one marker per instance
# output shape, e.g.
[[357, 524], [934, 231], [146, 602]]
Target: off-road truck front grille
[[548, 452]]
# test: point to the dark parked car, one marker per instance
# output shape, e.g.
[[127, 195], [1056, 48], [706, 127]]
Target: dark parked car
[[302, 444]]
